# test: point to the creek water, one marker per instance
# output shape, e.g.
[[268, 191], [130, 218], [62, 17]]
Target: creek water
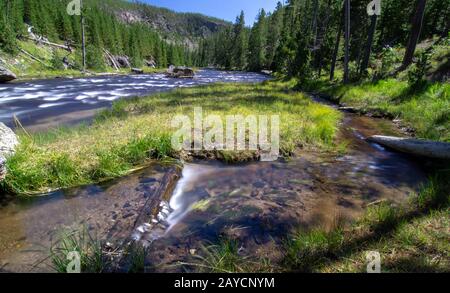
[[172, 209], [255, 202]]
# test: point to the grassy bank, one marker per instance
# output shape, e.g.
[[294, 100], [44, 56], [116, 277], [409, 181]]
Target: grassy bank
[[418, 97], [137, 130], [410, 238], [425, 109], [50, 63]]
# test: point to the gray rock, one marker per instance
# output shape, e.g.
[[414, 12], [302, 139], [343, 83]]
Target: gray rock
[[180, 72], [8, 143], [6, 75], [8, 140], [123, 61], [2, 168]]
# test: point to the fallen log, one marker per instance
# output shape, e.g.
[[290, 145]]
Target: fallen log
[[111, 59], [64, 47], [32, 57], [418, 147]]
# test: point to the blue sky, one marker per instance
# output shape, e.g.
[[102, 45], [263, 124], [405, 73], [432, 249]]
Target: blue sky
[[224, 9]]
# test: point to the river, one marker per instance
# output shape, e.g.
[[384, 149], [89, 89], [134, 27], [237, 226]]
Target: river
[[42, 104]]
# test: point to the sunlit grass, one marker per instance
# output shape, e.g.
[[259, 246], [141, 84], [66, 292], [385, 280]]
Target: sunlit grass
[[92, 259], [426, 110], [409, 238], [136, 130], [226, 257], [94, 255]]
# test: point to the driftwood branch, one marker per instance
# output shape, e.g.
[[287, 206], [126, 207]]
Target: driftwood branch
[[111, 58], [64, 47], [31, 56]]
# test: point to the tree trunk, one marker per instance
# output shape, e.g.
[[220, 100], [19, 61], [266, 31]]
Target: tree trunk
[[347, 41], [416, 28], [418, 147], [314, 22], [365, 62], [321, 32], [83, 38], [336, 47]]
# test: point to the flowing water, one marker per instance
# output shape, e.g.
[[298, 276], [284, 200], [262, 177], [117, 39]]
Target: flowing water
[[171, 210], [48, 103], [260, 203]]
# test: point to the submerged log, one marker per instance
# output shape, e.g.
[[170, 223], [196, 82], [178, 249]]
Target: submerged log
[[418, 147]]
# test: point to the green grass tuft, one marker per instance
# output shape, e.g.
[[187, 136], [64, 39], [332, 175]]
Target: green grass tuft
[[92, 257], [412, 238]]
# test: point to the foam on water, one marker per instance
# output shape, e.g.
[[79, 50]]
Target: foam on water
[[49, 105], [16, 98]]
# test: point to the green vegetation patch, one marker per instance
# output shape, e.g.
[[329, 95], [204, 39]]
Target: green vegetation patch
[[136, 130], [426, 110]]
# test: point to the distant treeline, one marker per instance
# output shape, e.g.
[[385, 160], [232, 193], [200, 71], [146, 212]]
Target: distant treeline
[[299, 38], [303, 37], [104, 29]]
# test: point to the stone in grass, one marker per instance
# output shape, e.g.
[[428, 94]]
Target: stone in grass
[[6, 75], [8, 143]]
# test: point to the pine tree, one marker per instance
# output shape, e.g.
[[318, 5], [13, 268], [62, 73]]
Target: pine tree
[[7, 35], [416, 27], [16, 16], [286, 51], [257, 42], [94, 57], [274, 35], [64, 25], [239, 58]]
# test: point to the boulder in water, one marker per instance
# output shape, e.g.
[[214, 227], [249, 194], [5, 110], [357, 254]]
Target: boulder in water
[[180, 72], [418, 147], [8, 143], [6, 75]]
